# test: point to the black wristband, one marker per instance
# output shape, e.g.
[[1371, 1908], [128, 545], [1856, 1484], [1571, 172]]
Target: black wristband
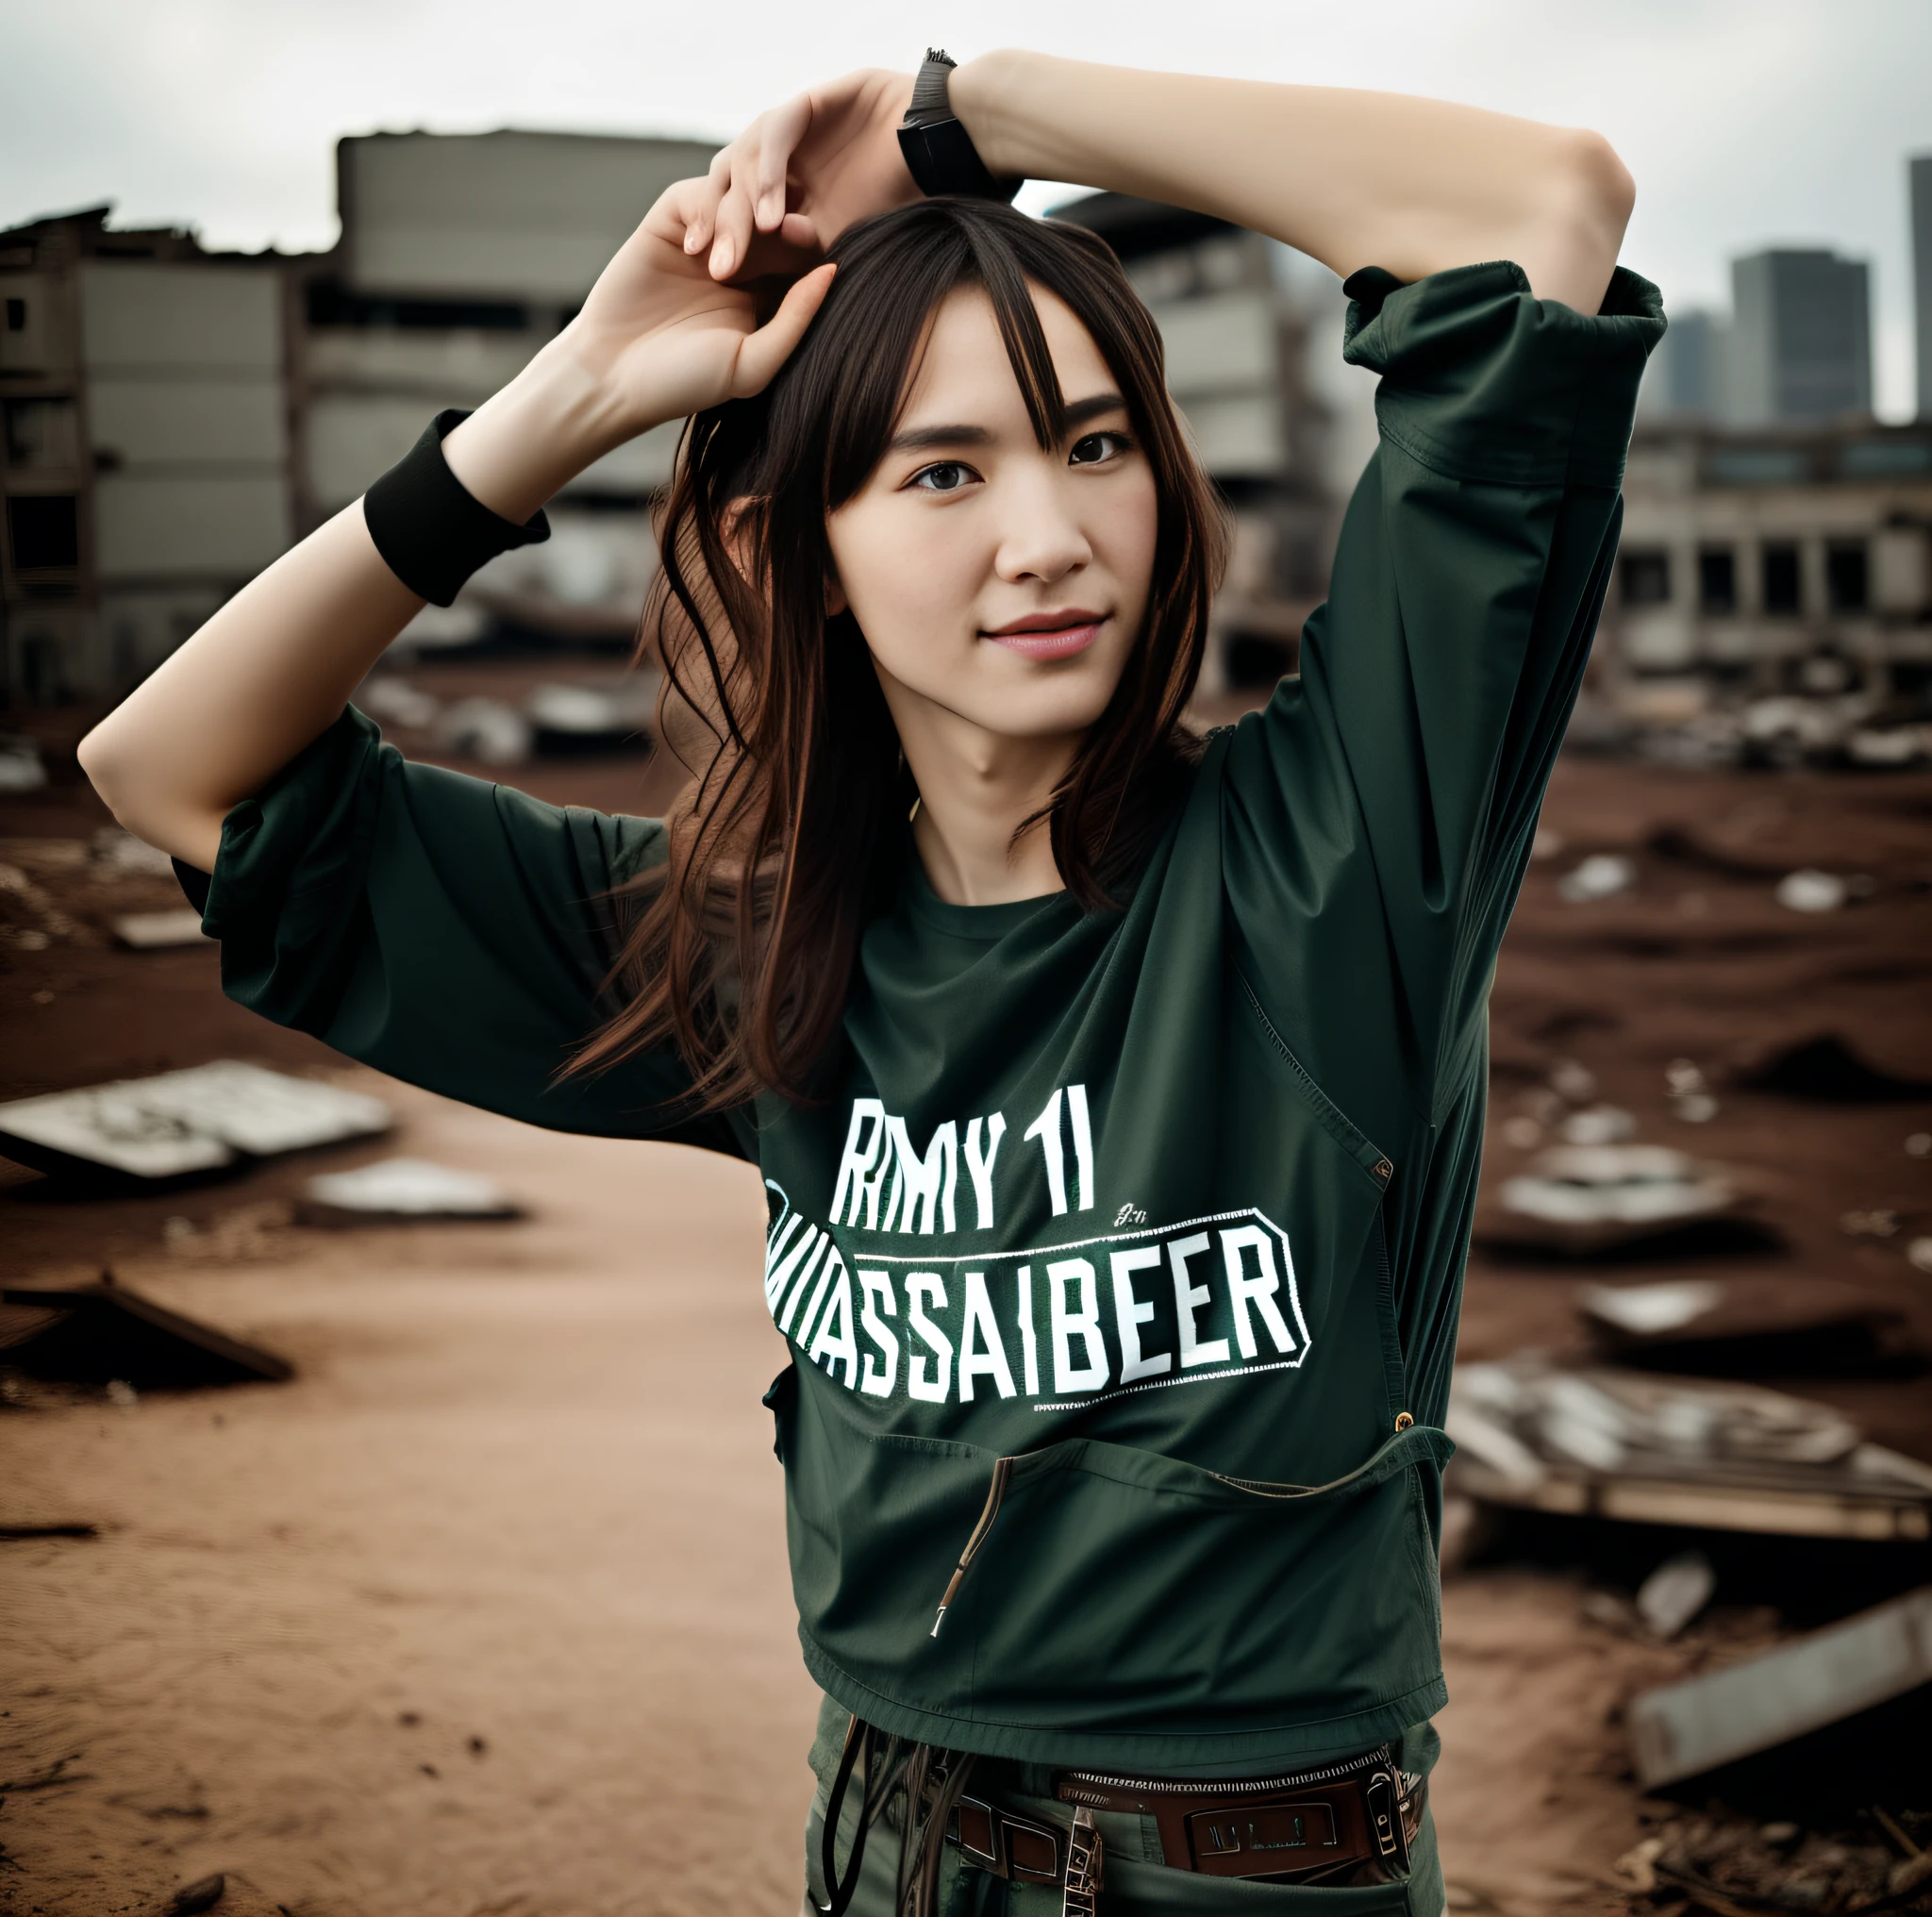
[[431, 533], [940, 153]]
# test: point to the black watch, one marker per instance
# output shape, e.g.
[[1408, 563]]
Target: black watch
[[940, 155]]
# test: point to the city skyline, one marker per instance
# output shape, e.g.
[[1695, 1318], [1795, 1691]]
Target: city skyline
[[1748, 126]]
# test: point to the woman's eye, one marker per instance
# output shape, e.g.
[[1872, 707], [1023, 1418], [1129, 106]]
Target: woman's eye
[[1096, 449], [948, 475]]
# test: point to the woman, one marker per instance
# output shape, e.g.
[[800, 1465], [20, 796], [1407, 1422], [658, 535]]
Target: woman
[[1121, 1117]]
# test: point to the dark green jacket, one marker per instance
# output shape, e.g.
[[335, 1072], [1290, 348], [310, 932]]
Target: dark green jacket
[[1137, 1236]]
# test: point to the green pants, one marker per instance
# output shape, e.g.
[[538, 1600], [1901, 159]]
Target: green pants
[[1138, 1883]]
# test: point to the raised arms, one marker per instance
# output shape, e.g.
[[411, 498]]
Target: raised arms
[[657, 338], [1354, 178]]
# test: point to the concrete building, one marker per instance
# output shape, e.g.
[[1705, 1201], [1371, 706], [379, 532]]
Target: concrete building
[[1684, 379], [1800, 345], [1921, 173], [1252, 338], [460, 255], [148, 441], [1788, 559]]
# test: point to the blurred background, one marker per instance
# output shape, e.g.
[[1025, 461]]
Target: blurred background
[[386, 1522]]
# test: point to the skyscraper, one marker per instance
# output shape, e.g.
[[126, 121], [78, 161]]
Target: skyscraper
[[1922, 278], [1801, 347]]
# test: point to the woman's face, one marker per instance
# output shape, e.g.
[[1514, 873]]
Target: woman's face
[[996, 582]]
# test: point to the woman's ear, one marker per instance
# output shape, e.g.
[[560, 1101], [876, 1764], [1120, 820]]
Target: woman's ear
[[836, 601]]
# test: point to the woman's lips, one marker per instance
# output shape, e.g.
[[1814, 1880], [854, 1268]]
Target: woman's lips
[[1055, 643]]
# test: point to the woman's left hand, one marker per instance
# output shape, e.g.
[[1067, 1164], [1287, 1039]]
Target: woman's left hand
[[806, 171]]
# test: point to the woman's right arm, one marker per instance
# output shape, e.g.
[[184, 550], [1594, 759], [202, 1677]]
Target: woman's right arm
[[657, 338]]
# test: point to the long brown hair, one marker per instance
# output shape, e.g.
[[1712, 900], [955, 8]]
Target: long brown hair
[[792, 834]]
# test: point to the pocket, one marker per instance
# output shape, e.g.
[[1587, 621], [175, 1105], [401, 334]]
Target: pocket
[[1121, 1590]]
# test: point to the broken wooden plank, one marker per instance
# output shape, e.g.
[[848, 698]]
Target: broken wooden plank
[[1683, 1730]]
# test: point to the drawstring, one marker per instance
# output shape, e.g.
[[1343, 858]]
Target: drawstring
[[932, 1780]]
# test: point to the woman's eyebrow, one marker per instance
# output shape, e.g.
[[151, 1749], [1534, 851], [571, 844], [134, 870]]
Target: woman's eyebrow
[[920, 439], [924, 439]]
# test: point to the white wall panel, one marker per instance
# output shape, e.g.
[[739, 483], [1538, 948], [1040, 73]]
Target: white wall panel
[[140, 314], [153, 421], [184, 528]]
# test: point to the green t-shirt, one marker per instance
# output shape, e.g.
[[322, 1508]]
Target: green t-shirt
[[1167, 1209]]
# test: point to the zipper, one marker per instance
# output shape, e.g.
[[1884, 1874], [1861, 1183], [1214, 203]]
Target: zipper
[[1331, 1117], [1379, 1759], [1002, 1471]]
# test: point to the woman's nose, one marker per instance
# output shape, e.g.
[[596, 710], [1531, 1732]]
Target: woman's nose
[[1041, 536]]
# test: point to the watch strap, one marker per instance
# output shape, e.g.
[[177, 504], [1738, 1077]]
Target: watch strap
[[940, 153]]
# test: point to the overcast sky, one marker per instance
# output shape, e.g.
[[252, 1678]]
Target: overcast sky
[[1747, 122]]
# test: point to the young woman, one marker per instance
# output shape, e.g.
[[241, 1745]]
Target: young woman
[[1121, 1114]]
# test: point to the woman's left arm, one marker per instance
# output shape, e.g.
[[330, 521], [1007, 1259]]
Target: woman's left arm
[[1354, 178]]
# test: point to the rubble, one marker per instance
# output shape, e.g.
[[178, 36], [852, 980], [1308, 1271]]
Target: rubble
[[1579, 1199], [20, 770], [103, 1334], [195, 1120], [392, 701], [1601, 875], [1714, 1454], [570, 718], [484, 729], [1808, 891], [158, 931], [1767, 1324], [1674, 1592], [1824, 1067], [1683, 1730], [407, 1189]]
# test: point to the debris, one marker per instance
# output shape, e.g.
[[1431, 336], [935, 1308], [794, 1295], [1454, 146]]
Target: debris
[[1574, 1082], [1880, 1223], [1644, 1311], [1748, 1326], [1810, 891], [1638, 1865], [409, 1188], [1919, 1254], [118, 854], [1683, 1730], [1723, 1455], [20, 770], [1919, 1144], [188, 1121], [1583, 1198], [392, 701], [1597, 1125], [1827, 1069], [485, 729], [151, 931], [567, 718], [76, 1528], [1674, 1592], [103, 1334], [1690, 1096], [203, 1894], [1601, 875]]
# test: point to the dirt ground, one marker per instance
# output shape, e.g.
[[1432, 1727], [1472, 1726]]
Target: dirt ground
[[486, 1611]]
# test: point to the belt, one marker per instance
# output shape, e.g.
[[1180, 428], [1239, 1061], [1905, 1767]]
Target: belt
[[1352, 1821]]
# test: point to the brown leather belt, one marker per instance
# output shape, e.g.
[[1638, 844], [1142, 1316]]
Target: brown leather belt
[[1352, 1821]]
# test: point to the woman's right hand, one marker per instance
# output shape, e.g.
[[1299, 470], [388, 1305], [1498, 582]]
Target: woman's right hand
[[663, 339], [657, 338]]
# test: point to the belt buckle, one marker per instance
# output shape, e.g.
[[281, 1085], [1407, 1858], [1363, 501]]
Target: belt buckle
[[988, 1836]]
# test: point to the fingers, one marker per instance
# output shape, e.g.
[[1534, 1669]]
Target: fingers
[[766, 350], [780, 134]]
